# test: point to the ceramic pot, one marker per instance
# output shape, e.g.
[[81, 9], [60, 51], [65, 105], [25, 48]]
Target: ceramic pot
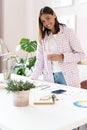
[[21, 98]]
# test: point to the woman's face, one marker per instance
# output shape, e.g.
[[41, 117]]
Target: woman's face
[[48, 21]]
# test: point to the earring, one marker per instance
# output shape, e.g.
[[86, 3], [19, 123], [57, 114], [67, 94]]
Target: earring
[[43, 28]]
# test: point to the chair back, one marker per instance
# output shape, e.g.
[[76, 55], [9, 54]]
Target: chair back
[[84, 84]]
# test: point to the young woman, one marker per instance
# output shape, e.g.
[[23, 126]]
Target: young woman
[[58, 51]]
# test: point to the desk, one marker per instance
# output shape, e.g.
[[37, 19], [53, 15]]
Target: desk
[[63, 115]]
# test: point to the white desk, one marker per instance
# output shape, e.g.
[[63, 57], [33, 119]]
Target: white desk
[[63, 115]]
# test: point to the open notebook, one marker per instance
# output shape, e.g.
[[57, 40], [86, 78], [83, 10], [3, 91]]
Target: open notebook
[[46, 100]]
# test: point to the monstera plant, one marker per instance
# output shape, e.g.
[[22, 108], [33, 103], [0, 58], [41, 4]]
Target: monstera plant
[[24, 66]]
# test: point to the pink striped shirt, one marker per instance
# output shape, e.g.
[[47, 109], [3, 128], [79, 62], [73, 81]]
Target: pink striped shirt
[[69, 46]]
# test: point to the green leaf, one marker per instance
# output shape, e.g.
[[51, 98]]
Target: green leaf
[[11, 58], [27, 45], [21, 72], [31, 62]]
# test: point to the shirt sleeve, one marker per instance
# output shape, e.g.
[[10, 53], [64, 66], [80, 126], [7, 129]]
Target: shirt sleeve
[[76, 54], [39, 63]]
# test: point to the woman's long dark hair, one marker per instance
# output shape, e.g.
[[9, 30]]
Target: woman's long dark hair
[[42, 29]]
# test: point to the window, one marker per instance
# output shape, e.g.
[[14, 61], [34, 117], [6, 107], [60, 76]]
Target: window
[[61, 3]]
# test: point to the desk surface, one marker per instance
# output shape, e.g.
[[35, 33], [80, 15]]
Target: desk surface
[[63, 115]]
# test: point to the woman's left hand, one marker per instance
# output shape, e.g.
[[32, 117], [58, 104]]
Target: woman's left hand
[[55, 57]]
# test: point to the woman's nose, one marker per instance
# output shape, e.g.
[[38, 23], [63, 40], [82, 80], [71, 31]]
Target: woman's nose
[[46, 23]]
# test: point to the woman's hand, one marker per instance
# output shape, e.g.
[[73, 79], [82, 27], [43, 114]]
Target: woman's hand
[[55, 57]]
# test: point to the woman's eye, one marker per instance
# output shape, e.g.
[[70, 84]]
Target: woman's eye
[[43, 22]]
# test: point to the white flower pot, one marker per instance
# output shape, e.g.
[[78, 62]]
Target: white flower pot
[[21, 98]]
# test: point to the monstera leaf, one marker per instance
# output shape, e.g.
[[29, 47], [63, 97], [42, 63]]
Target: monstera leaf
[[28, 45]]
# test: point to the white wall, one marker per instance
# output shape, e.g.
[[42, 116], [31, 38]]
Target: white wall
[[1, 18], [20, 20], [14, 22]]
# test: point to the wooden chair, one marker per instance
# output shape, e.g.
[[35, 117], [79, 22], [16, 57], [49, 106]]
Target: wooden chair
[[84, 86]]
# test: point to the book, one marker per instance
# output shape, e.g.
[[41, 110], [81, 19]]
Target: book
[[46, 100]]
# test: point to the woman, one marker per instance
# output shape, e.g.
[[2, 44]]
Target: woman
[[58, 52]]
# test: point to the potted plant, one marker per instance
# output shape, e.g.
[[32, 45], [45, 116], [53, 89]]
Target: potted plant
[[20, 90], [24, 66]]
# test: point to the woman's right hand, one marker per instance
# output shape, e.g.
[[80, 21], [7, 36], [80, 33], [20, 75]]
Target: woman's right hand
[[55, 57]]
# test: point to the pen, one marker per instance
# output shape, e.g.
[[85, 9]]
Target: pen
[[45, 87]]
